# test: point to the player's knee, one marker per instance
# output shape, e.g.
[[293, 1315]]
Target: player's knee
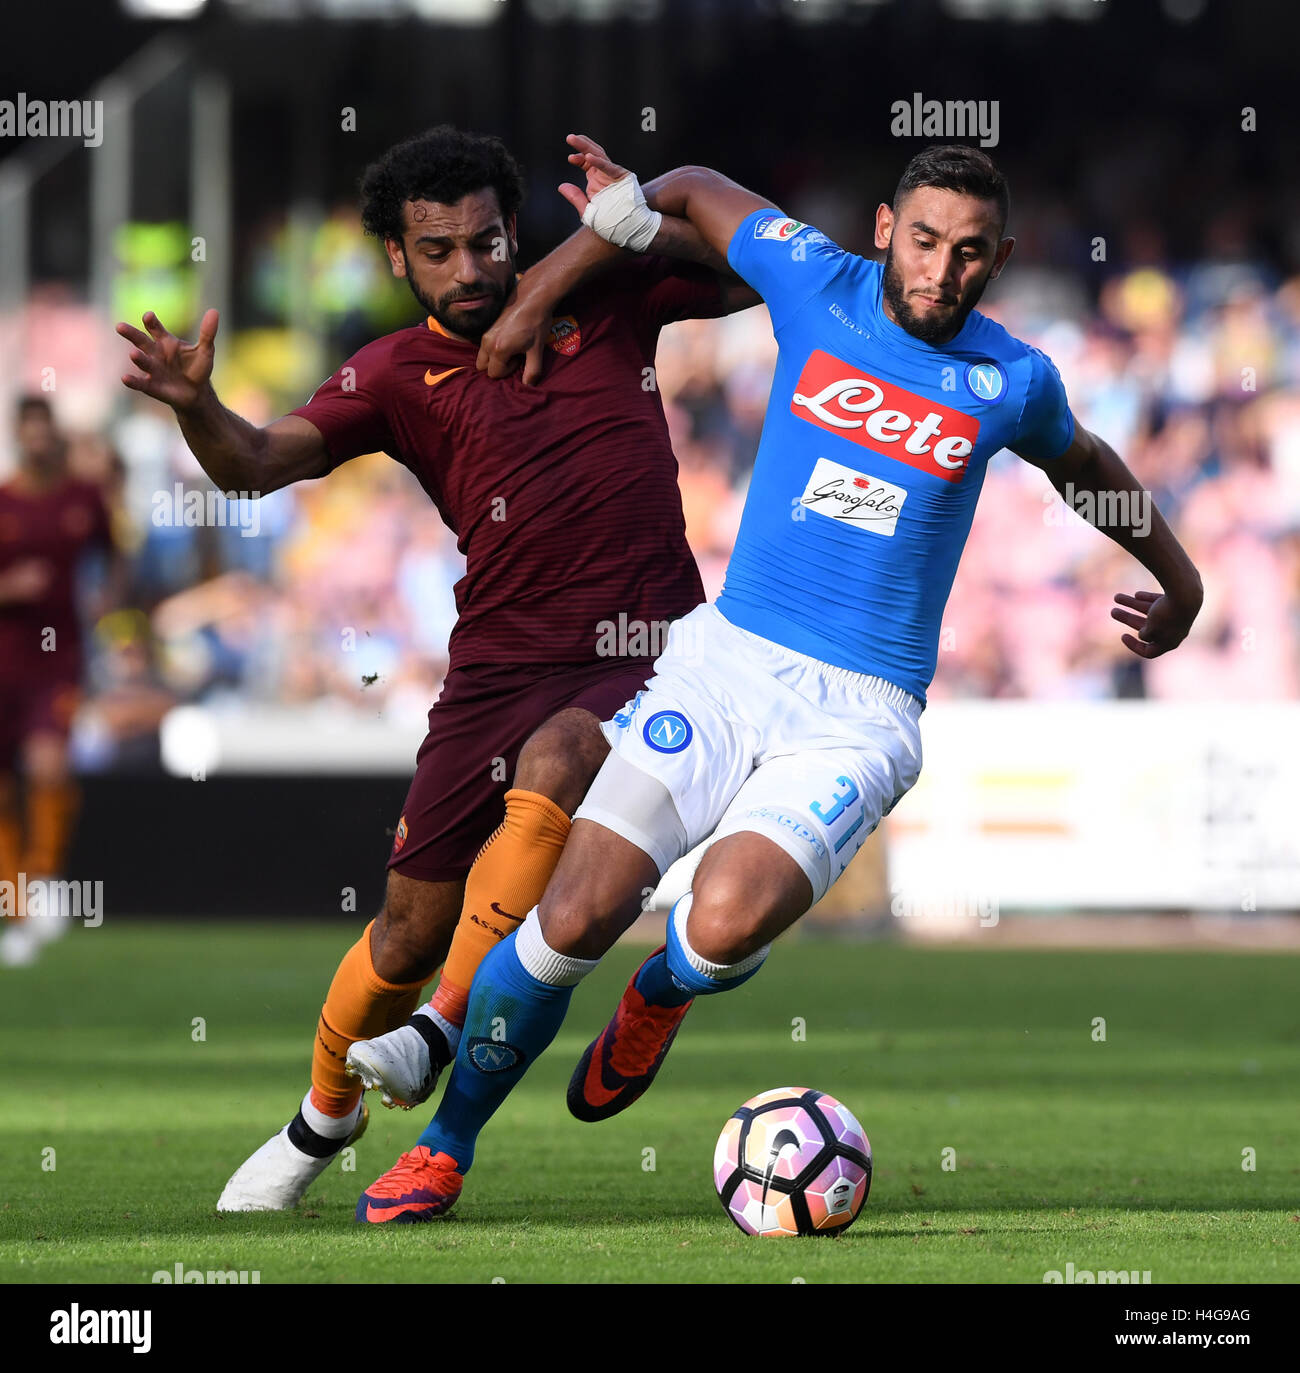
[[584, 921], [561, 757], [726, 921], [571, 928]]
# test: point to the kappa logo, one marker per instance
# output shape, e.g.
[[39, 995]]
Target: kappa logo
[[566, 335], [885, 418], [985, 381], [623, 718], [666, 731], [494, 1055]]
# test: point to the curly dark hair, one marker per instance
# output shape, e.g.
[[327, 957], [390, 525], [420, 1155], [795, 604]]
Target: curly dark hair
[[956, 167], [442, 164]]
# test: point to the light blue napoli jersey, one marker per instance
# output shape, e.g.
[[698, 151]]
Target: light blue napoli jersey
[[873, 453]]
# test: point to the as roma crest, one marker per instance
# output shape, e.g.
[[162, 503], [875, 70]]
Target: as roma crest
[[565, 337]]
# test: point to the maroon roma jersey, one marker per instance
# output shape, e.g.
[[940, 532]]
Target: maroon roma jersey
[[54, 528], [563, 495]]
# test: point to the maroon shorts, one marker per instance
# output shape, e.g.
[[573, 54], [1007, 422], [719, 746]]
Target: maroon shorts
[[467, 761], [36, 707]]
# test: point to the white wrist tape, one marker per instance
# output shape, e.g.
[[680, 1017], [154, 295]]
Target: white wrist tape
[[620, 215]]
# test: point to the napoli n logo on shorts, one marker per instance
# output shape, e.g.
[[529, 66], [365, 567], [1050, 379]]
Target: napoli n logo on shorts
[[667, 732], [985, 380]]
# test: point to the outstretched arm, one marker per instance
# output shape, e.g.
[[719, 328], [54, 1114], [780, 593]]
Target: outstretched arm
[[236, 455], [523, 325], [1090, 467]]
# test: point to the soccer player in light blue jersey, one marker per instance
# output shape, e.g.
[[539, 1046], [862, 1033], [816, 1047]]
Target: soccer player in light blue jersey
[[783, 720]]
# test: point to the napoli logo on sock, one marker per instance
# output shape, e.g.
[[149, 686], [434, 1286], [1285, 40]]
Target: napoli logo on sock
[[494, 1055], [667, 732]]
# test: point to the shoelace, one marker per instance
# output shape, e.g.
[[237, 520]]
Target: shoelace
[[638, 1040], [411, 1169]]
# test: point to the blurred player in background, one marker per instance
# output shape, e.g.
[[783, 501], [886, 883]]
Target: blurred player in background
[[560, 484], [49, 522], [784, 719]]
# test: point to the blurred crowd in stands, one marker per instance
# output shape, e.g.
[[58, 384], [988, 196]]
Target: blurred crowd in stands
[[344, 593]]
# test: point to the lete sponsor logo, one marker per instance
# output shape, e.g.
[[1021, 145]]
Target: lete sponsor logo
[[885, 418]]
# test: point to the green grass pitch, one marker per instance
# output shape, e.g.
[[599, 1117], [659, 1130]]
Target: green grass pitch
[[1122, 1154]]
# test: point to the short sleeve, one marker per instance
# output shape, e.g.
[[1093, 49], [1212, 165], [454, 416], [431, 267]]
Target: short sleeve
[[1046, 426], [787, 262], [348, 411]]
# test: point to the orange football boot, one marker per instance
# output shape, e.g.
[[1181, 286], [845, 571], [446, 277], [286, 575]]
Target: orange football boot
[[418, 1187], [620, 1065]]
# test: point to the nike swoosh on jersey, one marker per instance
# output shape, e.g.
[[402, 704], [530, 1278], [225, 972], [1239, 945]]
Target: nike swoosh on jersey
[[431, 380]]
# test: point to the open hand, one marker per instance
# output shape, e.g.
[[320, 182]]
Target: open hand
[[170, 370], [1161, 622], [588, 156]]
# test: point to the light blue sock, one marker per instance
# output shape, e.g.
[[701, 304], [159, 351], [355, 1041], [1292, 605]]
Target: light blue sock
[[656, 983], [681, 972], [511, 1019]]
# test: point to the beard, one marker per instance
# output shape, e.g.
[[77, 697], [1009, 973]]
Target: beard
[[935, 326], [466, 324]]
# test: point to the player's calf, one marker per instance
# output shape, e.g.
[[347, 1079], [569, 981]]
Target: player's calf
[[745, 892]]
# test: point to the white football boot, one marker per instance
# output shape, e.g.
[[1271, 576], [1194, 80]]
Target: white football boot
[[276, 1177], [399, 1065]]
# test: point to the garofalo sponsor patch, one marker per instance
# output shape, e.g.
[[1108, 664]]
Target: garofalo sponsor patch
[[853, 498]]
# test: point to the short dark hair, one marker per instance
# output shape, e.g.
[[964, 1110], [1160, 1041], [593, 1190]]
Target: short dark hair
[[955, 167], [442, 164], [32, 404]]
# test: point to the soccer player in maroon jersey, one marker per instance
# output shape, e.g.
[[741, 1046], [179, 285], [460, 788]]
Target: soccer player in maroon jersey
[[560, 484], [48, 522]]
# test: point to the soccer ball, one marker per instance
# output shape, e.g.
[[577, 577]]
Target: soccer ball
[[792, 1161]]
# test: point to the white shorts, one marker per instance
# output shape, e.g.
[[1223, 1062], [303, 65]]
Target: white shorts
[[743, 734]]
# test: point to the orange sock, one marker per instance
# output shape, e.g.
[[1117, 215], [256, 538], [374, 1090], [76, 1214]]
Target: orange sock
[[506, 882], [360, 1005], [51, 809]]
